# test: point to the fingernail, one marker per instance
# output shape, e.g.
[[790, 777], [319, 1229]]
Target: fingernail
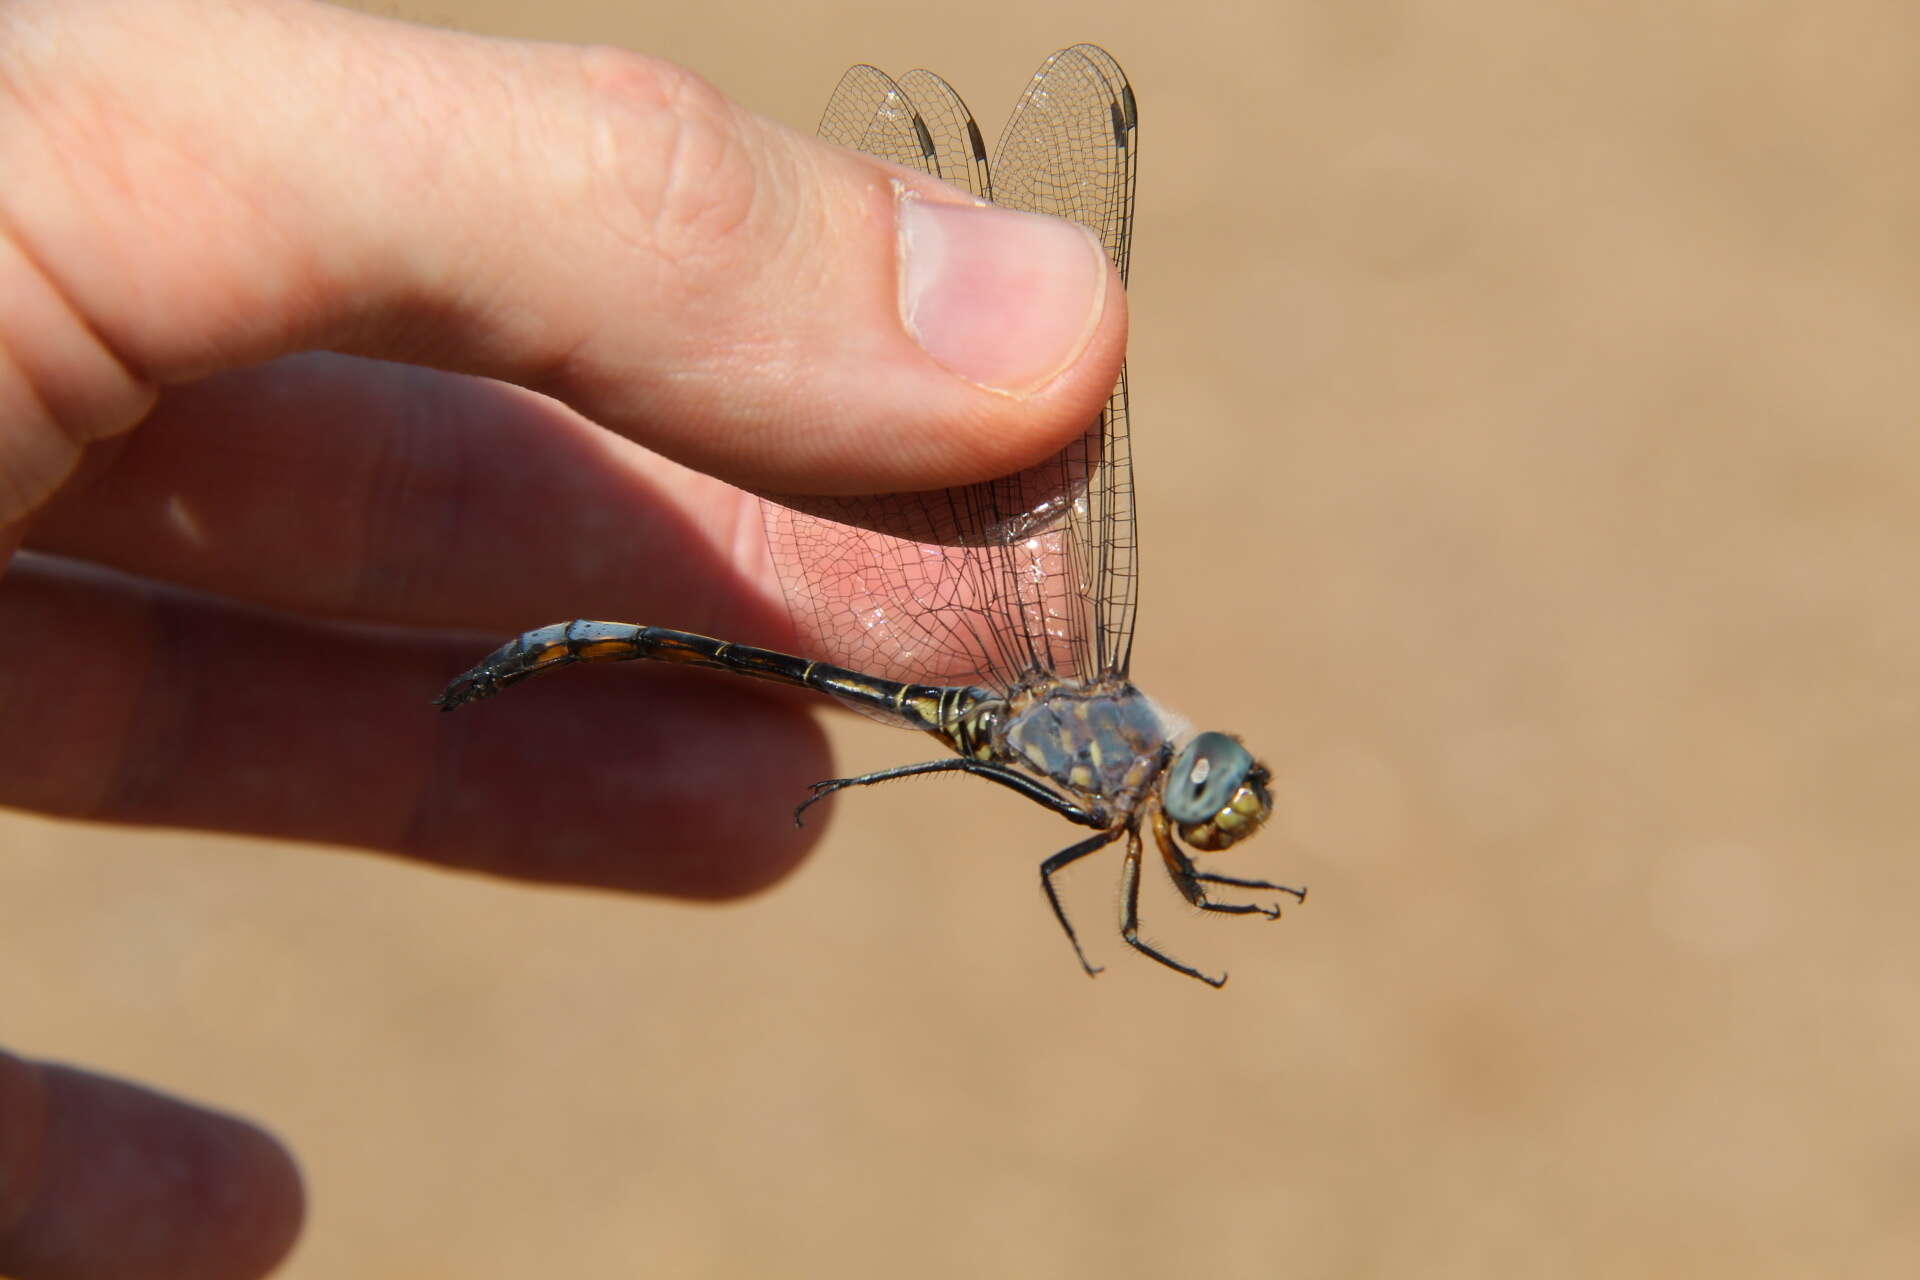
[[1006, 300]]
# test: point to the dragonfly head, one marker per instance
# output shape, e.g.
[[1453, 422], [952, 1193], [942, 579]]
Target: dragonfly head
[[1215, 792]]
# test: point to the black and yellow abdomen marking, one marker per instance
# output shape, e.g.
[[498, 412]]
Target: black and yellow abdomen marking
[[919, 706]]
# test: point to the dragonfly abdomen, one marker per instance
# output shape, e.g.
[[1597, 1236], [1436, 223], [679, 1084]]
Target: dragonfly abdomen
[[918, 706]]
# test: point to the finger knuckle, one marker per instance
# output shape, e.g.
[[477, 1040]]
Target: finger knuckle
[[686, 182]]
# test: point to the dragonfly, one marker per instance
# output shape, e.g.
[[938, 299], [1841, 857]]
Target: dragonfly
[[997, 617]]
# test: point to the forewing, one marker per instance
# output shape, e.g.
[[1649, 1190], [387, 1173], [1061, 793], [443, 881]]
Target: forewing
[[957, 145], [869, 112], [1069, 150], [1027, 575]]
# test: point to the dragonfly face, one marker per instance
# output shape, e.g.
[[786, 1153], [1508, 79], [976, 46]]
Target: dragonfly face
[[1216, 792]]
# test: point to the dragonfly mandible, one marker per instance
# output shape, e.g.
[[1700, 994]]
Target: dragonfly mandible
[[997, 617]]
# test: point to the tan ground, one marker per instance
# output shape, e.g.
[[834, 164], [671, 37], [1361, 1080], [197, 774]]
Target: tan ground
[[1526, 414]]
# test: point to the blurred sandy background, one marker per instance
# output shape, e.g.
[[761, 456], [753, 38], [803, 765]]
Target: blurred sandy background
[[1526, 419]]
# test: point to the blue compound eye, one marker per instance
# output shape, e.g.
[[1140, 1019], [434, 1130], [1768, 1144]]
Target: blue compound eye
[[1204, 777]]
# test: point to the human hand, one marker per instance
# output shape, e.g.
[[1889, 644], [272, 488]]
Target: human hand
[[249, 570]]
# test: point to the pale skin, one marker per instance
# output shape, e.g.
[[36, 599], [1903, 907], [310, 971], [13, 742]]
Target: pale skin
[[195, 191]]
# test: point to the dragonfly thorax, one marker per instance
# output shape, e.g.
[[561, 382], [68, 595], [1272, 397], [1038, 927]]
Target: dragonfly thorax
[[1215, 792], [1104, 742]]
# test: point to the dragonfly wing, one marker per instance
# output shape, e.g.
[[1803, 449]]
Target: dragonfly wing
[[1024, 576], [1070, 149], [869, 112], [957, 145]]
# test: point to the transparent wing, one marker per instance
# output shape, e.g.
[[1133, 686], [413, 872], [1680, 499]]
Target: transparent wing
[[870, 113], [1070, 149], [1025, 576], [957, 144]]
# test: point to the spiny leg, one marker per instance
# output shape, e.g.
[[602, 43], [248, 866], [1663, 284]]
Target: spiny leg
[[1299, 895], [1073, 853], [1190, 881], [1130, 919], [1006, 777]]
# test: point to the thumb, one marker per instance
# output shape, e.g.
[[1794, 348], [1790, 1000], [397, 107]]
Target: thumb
[[212, 185]]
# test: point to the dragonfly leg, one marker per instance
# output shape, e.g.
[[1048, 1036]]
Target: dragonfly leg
[[1130, 917], [1299, 895], [1193, 883], [1073, 853], [1006, 777]]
